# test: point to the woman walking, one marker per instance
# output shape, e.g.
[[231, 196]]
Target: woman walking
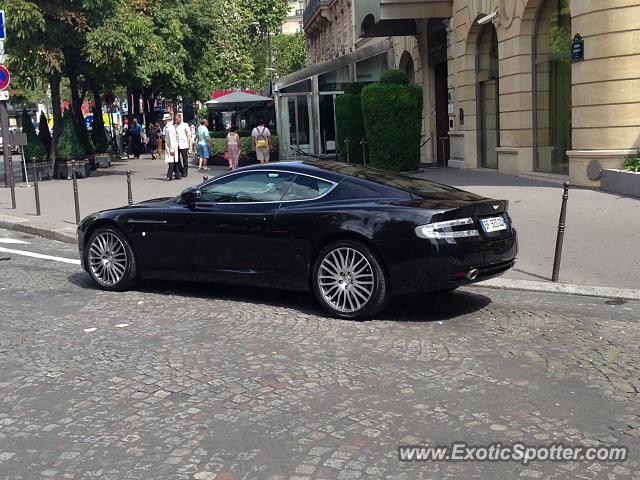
[[158, 139], [233, 148]]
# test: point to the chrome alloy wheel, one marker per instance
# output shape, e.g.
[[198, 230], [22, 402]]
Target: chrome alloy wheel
[[346, 279], [107, 259]]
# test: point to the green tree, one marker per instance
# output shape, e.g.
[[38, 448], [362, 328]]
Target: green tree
[[288, 53], [69, 146], [34, 148]]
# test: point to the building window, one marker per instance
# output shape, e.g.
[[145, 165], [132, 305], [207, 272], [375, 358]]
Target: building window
[[552, 87]]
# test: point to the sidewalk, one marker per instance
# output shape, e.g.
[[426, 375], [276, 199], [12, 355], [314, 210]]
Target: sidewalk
[[601, 245], [105, 188]]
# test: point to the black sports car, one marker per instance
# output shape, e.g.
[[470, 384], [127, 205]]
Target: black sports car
[[353, 235]]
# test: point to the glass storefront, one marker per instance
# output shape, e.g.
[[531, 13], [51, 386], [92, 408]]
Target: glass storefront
[[552, 87], [306, 105]]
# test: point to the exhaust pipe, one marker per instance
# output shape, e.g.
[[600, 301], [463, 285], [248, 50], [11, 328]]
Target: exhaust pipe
[[472, 274]]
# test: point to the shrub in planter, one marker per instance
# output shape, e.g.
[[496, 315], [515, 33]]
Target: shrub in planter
[[44, 134], [99, 134], [350, 124], [69, 146], [34, 148], [632, 163], [392, 112]]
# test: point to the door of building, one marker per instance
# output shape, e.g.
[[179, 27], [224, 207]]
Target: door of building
[[442, 113], [488, 114]]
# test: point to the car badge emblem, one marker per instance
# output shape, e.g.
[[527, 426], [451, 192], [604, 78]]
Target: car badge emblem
[[495, 207]]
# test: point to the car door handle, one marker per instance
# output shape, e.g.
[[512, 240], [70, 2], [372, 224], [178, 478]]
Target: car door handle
[[146, 222]]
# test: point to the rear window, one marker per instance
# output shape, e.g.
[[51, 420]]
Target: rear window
[[417, 186]]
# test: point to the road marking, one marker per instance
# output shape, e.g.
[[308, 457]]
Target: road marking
[[12, 240], [40, 255]]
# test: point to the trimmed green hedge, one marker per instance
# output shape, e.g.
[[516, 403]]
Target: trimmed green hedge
[[393, 122], [99, 134], [217, 145], [350, 125], [394, 77], [34, 148], [44, 134], [69, 146]]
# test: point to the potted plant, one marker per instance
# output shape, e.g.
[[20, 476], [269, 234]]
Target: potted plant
[[70, 150], [624, 181], [35, 153], [100, 141]]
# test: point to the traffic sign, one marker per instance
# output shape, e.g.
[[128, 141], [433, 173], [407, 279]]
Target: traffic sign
[[4, 95], [5, 78], [3, 31]]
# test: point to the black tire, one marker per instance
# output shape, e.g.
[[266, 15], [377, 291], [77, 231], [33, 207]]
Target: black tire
[[129, 274], [380, 294]]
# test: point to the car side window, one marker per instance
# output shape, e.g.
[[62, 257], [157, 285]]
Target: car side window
[[306, 188], [248, 187]]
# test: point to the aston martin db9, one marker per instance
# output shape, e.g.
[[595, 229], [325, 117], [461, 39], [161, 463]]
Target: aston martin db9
[[353, 235]]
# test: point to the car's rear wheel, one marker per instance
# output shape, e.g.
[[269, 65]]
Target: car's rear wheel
[[349, 281], [110, 260]]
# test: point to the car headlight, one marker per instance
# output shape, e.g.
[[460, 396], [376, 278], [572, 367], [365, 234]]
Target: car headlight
[[445, 229]]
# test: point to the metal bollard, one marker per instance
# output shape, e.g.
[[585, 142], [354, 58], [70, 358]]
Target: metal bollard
[[36, 189], [363, 142], [560, 238], [129, 192], [346, 141], [12, 183], [76, 200], [205, 178]]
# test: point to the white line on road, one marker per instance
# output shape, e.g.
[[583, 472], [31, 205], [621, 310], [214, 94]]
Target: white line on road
[[11, 240], [40, 255]]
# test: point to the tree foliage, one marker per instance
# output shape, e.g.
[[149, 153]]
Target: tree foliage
[[289, 53]]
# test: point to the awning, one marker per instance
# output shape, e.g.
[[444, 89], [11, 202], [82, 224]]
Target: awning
[[237, 101]]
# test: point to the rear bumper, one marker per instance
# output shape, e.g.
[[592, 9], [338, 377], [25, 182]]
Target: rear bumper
[[419, 265]]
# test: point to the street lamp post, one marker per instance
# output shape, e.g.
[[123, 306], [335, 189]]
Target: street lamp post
[[270, 64]]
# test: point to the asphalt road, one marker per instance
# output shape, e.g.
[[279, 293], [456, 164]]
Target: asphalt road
[[182, 381]]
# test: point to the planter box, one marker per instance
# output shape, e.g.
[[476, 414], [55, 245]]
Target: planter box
[[103, 160], [63, 170], [621, 182], [45, 172]]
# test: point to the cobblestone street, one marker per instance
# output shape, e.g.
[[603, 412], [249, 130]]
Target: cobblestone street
[[184, 381]]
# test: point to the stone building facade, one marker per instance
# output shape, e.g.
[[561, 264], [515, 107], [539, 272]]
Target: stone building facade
[[501, 89]]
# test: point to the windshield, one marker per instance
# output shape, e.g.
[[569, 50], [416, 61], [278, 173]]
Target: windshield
[[406, 183]]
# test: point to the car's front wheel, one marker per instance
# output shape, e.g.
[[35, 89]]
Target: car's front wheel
[[110, 260], [349, 281]]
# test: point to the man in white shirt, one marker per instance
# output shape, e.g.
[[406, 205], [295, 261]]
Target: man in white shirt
[[171, 150], [183, 132], [261, 142]]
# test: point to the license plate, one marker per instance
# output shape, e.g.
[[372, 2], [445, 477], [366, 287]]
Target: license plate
[[493, 224]]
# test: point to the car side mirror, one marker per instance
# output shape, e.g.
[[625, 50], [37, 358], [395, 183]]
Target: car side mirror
[[191, 196]]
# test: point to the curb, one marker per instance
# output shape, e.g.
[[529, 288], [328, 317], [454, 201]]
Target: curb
[[559, 288], [45, 231]]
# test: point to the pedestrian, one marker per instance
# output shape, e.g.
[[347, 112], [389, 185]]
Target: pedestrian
[[193, 137], [136, 138], [153, 140], [204, 143], [261, 142], [233, 147], [171, 148], [183, 133], [158, 138]]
